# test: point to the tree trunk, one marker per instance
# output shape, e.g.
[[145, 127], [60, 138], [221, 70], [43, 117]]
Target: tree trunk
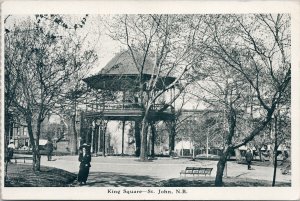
[[143, 154], [137, 134], [144, 126], [5, 176], [74, 144], [149, 141], [32, 142], [7, 128], [275, 152], [37, 149], [153, 131], [221, 166], [38, 159], [172, 138], [275, 168]]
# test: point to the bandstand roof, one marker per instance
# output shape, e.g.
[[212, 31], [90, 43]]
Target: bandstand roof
[[121, 73]]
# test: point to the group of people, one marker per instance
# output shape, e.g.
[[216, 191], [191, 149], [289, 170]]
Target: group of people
[[11, 147], [84, 158]]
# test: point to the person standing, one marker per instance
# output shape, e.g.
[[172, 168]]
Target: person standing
[[249, 158], [10, 150], [286, 163], [84, 167], [49, 148]]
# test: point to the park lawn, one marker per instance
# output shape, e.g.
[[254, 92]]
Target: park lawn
[[21, 175], [227, 182]]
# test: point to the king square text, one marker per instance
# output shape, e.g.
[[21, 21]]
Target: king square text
[[147, 191]]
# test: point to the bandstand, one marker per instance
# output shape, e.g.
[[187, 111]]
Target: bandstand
[[120, 75]]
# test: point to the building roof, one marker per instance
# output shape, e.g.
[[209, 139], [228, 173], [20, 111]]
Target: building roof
[[121, 73], [123, 64]]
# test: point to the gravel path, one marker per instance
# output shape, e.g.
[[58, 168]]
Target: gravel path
[[129, 168]]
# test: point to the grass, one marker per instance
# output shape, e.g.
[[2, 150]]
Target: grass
[[20, 175], [227, 182]]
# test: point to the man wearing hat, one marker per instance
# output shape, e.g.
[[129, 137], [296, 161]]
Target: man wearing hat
[[84, 159]]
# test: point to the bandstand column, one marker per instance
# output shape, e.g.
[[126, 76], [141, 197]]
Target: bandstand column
[[88, 132], [103, 131], [99, 139], [92, 137], [123, 127], [123, 130]]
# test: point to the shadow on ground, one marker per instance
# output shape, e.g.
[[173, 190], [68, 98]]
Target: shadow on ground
[[21, 175], [107, 179], [111, 179]]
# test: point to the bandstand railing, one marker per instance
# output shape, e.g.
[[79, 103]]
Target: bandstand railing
[[100, 107]]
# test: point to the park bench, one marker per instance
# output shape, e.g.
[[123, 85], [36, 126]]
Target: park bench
[[22, 157], [196, 171]]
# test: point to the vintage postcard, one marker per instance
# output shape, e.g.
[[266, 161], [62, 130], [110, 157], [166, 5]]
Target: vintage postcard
[[150, 100]]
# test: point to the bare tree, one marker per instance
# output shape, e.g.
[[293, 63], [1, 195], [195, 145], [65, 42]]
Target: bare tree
[[167, 40], [46, 70], [255, 53], [175, 127], [282, 130]]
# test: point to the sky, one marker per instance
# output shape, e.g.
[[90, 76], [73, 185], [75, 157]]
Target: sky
[[94, 31]]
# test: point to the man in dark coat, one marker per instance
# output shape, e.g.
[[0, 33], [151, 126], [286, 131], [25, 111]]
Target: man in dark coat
[[49, 148], [249, 158], [84, 159]]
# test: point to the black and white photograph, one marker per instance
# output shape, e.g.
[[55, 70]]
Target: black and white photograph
[[113, 100]]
